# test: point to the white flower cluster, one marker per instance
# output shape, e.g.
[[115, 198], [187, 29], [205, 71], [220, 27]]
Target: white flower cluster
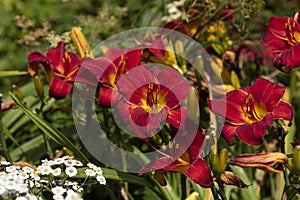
[[52, 175], [173, 11]]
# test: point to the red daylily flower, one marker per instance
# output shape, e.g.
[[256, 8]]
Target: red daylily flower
[[108, 70], [283, 37], [189, 163], [61, 67], [152, 97], [250, 110]]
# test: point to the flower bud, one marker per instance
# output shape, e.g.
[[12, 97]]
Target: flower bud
[[18, 92], [193, 105], [223, 159], [81, 43], [230, 179], [297, 159], [214, 161], [269, 162], [39, 88]]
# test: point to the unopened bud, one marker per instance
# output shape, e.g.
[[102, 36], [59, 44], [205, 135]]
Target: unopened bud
[[68, 152], [193, 105], [297, 159], [81, 43], [18, 92], [223, 159], [214, 160], [230, 179], [39, 88]]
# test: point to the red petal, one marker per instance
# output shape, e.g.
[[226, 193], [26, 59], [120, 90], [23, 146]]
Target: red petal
[[196, 146], [267, 92], [290, 58], [173, 81], [135, 79], [252, 133], [275, 35], [108, 97], [230, 107], [62, 61], [59, 89], [229, 132], [200, 173], [175, 116], [283, 111], [157, 165]]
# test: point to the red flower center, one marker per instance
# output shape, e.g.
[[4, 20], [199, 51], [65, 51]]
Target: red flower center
[[155, 99], [254, 111]]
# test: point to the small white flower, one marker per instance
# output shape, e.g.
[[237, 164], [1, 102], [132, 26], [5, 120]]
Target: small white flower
[[35, 176], [58, 197], [71, 171], [22, 188], [10, 185], [28, 170], [101, 179], [78, 163], [18, 179], [98, 170], [71, 195], [12, 175], [12, 168], [58, 190], [5, 163], [59, 161], [23, 175], [91, 165], [70, 183], [2, 190], [4, 179], [57, 171], [44, 170], [77, 188], [69, 163], [90, 172]]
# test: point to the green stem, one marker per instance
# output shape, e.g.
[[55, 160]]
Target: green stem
[[183, 187], [3, 141], [215, 193]]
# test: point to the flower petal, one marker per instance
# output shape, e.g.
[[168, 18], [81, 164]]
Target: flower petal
[[283, 111], [228, 132], [266, 92], [108, 97], [135, 79], [230, 107], [252, 133], [275, 35], [200, 173], [35, 58], [173, 81], [59, 89]]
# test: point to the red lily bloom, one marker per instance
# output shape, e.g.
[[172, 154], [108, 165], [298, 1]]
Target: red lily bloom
[[283, 37], [189, 163], [250, 110], [152, 97], [109, 68], [61, 67]]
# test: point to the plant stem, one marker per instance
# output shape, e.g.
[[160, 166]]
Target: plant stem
[[215, 192], [3, 141], [183, 187]]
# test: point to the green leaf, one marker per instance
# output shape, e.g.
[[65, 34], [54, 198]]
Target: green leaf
[[12, 73], [49, 130]]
